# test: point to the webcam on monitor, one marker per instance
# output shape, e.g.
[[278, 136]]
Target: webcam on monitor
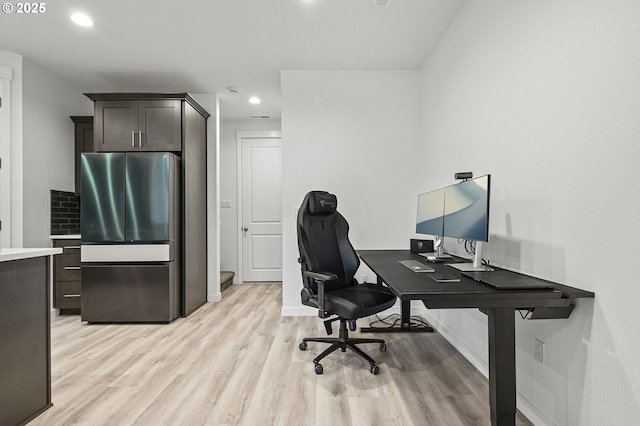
[[464, 175]]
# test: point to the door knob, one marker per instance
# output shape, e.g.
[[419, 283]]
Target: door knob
[[245, 229]]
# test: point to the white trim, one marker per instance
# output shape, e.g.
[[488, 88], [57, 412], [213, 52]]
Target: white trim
[[302, 311], [214, 297], [6, 75], [308, 311], [213, 206], [240, 135], [6, 72], [258, 134]]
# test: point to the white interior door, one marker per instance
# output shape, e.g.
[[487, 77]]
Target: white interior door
[[261, 225]]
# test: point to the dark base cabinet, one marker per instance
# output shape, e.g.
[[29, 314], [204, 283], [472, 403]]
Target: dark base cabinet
[[66, 277], [130, 293], [25, 357]]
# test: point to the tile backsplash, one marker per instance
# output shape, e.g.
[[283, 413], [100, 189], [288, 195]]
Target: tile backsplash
[[65, 213]]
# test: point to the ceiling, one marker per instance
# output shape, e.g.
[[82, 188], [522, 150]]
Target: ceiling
[[205, 46]]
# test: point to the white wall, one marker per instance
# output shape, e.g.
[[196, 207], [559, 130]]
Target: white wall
[[352, 133], [229, 186], [545, 96], [12, 165], [48, 142]]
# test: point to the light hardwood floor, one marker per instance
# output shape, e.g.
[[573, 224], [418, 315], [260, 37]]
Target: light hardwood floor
[[237, 362]]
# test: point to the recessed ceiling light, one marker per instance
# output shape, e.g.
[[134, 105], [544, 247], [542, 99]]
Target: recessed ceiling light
[[254, 100], [82, 20]]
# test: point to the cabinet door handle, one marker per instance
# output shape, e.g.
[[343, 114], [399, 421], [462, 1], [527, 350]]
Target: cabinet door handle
[[72, 247], [133, 139], [72, 268], [140, 138], [71, 295]]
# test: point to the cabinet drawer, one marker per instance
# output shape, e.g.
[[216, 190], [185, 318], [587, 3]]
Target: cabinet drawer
[[69, 247], [67, 267], [67, 295]]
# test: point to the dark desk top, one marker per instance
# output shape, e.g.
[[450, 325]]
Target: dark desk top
[[467, 293]]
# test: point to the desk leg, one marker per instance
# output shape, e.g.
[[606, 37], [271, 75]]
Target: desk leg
[[405, 314], [502, 366]]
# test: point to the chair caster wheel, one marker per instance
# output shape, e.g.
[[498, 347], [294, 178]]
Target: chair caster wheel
[[383, 347], [303, 346], [319, 369], [375, 370]]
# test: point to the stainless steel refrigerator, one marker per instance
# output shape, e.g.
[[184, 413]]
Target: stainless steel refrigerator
[[130, 230]]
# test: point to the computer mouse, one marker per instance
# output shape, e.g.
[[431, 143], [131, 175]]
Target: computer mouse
[[432, 258]]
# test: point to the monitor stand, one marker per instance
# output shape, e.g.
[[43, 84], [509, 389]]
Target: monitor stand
[[477, 262], [439, 255]]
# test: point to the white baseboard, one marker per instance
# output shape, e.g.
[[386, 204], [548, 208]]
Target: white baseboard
[[307, 311], [298, 311]]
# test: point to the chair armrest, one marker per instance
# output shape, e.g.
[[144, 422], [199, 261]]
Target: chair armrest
[[320, 278]]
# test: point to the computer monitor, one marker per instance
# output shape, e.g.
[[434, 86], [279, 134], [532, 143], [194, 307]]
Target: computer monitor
[[430, 214], [430, 220], [466, 209], [466, 216]]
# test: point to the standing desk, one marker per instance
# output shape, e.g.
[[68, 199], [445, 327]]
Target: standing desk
[[498, 305]]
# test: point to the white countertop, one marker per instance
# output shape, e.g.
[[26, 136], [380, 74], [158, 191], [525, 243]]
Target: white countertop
[[65, 237], [7, 254]]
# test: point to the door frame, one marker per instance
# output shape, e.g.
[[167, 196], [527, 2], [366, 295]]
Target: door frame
[[240, 135]]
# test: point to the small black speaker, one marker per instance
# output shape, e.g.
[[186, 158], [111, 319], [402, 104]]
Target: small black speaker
[[421, 246]]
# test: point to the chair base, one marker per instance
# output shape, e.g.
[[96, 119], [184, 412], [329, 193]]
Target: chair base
[[344, 342]]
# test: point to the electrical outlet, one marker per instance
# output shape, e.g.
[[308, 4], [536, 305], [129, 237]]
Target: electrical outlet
[[538, 350]]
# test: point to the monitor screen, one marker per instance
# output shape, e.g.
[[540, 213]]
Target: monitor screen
[[429, 219], [466, 210]]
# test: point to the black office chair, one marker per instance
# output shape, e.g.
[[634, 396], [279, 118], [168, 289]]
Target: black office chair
[[329, 263]]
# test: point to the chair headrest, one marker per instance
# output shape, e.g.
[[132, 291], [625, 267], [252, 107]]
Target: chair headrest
[[322, 203]]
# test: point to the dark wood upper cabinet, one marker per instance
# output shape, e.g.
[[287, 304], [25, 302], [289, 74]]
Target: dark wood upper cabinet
[[140, 121], [145, 125], [160, 124], [83, 136], [116, 125]]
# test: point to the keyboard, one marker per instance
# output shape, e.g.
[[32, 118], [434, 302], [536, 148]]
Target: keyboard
[[416, 266]]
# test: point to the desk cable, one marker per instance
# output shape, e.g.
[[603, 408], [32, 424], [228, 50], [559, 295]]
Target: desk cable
[[394, 320]]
